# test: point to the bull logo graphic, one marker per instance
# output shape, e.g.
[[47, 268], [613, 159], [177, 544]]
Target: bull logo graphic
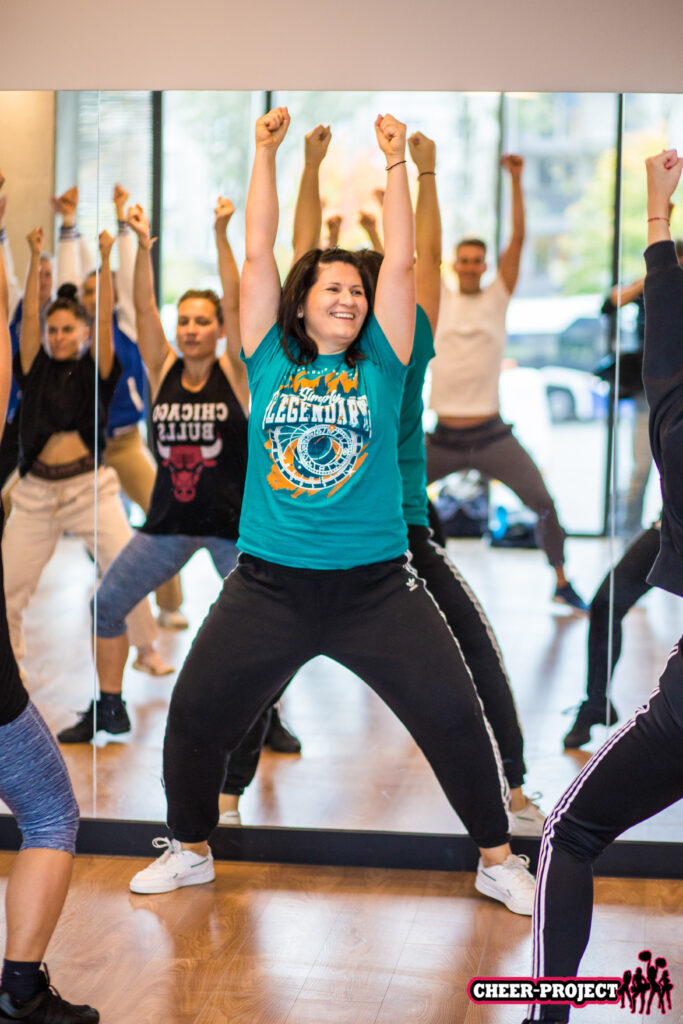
[[186, 462]]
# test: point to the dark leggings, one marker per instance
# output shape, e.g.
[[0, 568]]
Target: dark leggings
[[635, 774], [478, 644], [380, 622], [630, 583]]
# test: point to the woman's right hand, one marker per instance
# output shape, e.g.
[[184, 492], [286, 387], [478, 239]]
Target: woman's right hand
[[139, 222], [35, 241], [271, 128], [663, 175]]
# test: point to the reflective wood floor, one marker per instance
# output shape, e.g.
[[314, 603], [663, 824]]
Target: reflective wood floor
[[268, 944], [359, 768]]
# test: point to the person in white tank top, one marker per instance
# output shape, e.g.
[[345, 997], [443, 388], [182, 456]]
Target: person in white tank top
[[469, 344]]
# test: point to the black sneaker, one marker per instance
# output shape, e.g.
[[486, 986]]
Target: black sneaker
[[567, 595], [280, 739], [111, 719], [47, 1007], [587, 717]]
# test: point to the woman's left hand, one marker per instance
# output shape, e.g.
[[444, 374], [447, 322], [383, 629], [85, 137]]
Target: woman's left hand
[[106, 242]]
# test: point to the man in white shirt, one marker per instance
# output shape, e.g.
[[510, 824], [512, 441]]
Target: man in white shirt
[[469, 344]]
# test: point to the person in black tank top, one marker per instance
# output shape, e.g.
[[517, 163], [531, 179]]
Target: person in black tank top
[[199, 428], [34, 783]]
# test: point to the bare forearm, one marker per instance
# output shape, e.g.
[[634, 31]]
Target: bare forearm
[[428, 221], [31, 307], [143, 280], [621, 296], [308, 213], [262, 212], [397, 219], [4, 290], [105, 345], [228, 272], [518, 226]]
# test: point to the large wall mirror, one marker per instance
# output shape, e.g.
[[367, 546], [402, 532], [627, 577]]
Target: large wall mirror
[[175, 153]]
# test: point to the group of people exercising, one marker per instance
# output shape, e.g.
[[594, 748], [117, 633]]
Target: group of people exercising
[[321, 383]]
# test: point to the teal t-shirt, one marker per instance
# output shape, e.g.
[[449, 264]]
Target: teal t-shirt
[[412, 459], [323, 488]]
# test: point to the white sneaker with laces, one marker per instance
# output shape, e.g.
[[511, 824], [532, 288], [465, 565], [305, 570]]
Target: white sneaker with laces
[[510, 882], [529, 821], [175, 868]]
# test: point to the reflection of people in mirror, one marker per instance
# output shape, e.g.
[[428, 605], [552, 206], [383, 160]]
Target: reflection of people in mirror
[[126, 451], [322, 536], [637, 772], [469, 345], [59, 455], [34, 783]]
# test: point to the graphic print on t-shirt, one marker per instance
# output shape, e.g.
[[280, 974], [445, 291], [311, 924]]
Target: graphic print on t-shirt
[[318, 429], [177, 426]]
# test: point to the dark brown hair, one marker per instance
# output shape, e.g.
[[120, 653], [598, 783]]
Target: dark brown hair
[[471, 241], [204, 293], [67, 299], [298, 283]]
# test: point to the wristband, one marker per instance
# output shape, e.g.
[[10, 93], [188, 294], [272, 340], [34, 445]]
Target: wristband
[[659, 218], [397, 164], [426, 172]]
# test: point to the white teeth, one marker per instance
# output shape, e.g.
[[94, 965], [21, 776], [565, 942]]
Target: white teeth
[[343, 316]]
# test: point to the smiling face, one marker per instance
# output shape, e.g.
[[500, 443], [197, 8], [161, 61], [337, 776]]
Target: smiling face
[[335, 307], [66, 334], [198, 328], [470, 264]]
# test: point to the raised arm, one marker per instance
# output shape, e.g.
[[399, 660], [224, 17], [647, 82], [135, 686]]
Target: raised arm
[[427, 227], [5, 340], [663, 175], [105, 340], [125, 241], [333, 225], [368, 222], [260, 286], [154, 348], [70, 269], [308, 212], [29, 342], [396, 296], [11, 279], [508, 264], [229, 274]]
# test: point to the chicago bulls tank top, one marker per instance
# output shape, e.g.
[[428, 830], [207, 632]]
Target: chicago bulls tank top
[[199, 439]]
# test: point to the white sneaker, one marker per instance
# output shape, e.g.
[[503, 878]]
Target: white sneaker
[[529, 821], [230, 818], [176, 867], [510, 882], [172, 620]]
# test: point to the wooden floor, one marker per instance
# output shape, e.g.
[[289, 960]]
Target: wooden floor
[[359, 768], [269, 944]]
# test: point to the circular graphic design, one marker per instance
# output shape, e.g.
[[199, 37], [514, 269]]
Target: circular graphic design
[[318, 457]]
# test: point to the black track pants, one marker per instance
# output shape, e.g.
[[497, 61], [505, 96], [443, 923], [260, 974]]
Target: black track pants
[[478, 644], [630, 584], [380, 622], [635, 774]]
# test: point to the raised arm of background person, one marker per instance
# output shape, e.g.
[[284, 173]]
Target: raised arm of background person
[[621, 295], [427, 227], [260, 285], [125, 275], [29, 342], [368, 222], [333, 225], [11, 279], [71, 268], [308, 214], [5, 340], [395, 298], [229, 274], [105, 338], [508, 264], [154, 348]]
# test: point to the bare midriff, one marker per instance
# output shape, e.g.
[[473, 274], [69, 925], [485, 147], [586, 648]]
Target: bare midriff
[[63, 447], [464, 421]]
